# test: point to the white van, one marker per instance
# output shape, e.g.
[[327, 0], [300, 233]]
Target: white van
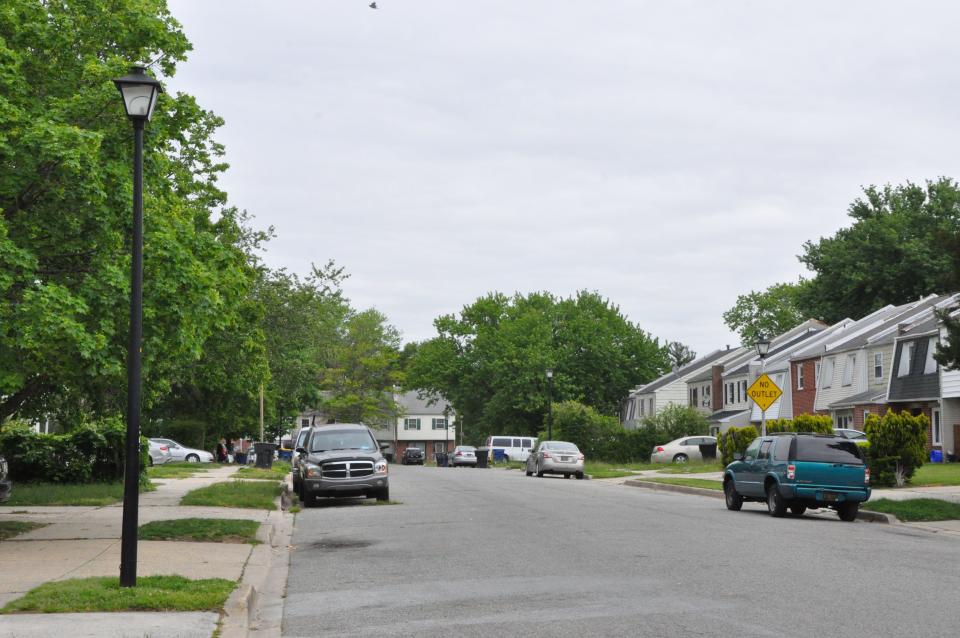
[[515, 448]]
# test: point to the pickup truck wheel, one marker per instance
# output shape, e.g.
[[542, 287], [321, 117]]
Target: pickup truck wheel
[[798, 510], [848, 511], [680, 458], [775, 503], [730, 495]]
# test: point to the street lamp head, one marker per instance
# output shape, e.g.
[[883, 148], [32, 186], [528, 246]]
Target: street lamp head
[[139, 92], [763, 346], [549, 373]]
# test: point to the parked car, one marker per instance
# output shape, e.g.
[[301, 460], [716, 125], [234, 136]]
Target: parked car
[[556, 457], [687, 448], [853, 435], [159, 453], [515, 448], [342, 459], [180, 453], [6, 485], [463, 455], [295, 459], [799, 472], [412, 456]]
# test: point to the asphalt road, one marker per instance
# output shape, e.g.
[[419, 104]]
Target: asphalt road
[[493, 553]]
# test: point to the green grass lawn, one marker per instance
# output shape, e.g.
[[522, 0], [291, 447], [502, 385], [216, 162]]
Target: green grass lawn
[[606, 470], [916, 509], [67, 494], [692, 468], [152, 593], [689, 482], [208, 530], [276, 473], [249, 494], [9, 529], [602, 469], [931, 474], [176, 470]]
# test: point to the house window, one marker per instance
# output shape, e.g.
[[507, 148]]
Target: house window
[[848, 369], [906, 356], [706, 396], [799, 376], [439, 447], [866, 413], [930, 364], [304, 423], [642, 404], [844, 420], [937, 428], [877, 366], [411, 424], [738, 392], [650, 411], [827, 373], [693, 397], [439, 424], [744, 384], [816, 374]]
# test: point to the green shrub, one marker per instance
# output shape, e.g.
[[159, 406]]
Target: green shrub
[[734, 441], [818, 423], [898, 445], [90, 452], [676, 421]]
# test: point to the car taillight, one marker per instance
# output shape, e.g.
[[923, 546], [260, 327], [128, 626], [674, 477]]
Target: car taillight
[[579, 457], [791, 472], [546, 455], [164, 448], [459, 454], [866, 476], [659, 449]]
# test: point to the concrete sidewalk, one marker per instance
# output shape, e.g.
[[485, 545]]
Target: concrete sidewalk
[[85, 541]]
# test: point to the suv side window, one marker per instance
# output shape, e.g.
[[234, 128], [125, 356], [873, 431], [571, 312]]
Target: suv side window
[[782, 451], [751, 452], [764, 450]]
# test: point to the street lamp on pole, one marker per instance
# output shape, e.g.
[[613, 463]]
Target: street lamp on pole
[[139, 92], [549, 404], [763, 347]]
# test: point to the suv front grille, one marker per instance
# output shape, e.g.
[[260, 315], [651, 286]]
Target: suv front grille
[[346, 469]]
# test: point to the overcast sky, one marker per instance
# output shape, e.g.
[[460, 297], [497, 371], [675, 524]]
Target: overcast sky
[[670, 155]]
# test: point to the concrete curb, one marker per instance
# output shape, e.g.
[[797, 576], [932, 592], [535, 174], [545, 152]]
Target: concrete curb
[[862, 515], [682, 489]]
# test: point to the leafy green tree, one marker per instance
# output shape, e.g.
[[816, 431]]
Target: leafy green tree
[[897, 446], [767, 313], [679, 355], [897, 250], [675, 421], [948, 351], [490, 361], [65, 210]]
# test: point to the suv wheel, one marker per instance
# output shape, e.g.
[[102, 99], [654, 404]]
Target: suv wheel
[[383, 495], [775, 503], [798, 510], [731, 496], [848, 511]]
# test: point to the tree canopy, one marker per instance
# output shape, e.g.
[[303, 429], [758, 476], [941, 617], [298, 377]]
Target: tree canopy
[[490, 360], [767, 313]]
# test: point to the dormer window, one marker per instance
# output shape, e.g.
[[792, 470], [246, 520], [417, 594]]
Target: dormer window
[[930, 364], [906, 356]]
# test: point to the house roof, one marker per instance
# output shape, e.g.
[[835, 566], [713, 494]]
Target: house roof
[[725, 415], [872, 396], [680, 373], [885, 329], [413, 404], [774, 353]]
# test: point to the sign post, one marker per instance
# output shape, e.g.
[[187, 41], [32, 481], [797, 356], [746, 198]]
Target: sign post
[[764, 393]]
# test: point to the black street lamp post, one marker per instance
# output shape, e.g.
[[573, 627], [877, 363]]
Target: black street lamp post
[[139, 92], [549, 404], [763, 347]]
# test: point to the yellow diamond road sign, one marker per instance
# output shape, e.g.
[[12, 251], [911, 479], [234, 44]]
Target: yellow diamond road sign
[[764, 392]]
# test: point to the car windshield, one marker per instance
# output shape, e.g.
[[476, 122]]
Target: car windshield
[[341, 440], [562, 446], [826, 450]]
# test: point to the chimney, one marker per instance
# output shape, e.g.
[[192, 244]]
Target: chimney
[[716, 390]]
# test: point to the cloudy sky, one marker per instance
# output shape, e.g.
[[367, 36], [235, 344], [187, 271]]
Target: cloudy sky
[[670, 155]]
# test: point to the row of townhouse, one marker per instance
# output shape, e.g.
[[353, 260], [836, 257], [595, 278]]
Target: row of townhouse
[[423, 423], [849, 370]]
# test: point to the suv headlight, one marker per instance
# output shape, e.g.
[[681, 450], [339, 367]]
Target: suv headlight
[[312, 471], [380, 467]]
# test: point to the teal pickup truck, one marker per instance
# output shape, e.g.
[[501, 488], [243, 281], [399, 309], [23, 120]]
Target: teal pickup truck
[[799, 472]]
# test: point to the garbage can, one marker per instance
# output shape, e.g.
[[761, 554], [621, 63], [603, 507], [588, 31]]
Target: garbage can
[[483, 454], [264, 452], [441, 458], [240, 458], [936, 456]]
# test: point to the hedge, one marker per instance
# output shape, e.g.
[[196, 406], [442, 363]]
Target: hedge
[[90, 453], [734, 441], [817, 423], [898, 445]]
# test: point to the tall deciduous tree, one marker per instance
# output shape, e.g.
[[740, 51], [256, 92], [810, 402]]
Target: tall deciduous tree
[[65, 209], [897, 250], [679, 355], [767, 313], [490, 361]]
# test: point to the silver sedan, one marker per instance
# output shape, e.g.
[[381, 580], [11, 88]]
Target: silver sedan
[[556, 457], [463, 455]]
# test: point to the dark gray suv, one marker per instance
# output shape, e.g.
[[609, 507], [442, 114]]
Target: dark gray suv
[[341, 459]]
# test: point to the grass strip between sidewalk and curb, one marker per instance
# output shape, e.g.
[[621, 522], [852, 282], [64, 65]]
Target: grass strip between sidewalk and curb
[[175, 470], [103, 593], [686, 482], [204, 530], [691, 468], [916, 510], [80, 494], [606, 470], [259, 495], [9, 529], [278, 472]]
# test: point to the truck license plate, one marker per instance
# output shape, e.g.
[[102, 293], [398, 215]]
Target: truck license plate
[[829, 496]]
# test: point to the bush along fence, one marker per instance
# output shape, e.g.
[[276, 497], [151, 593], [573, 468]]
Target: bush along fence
[[897, 447], [90, 453]]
